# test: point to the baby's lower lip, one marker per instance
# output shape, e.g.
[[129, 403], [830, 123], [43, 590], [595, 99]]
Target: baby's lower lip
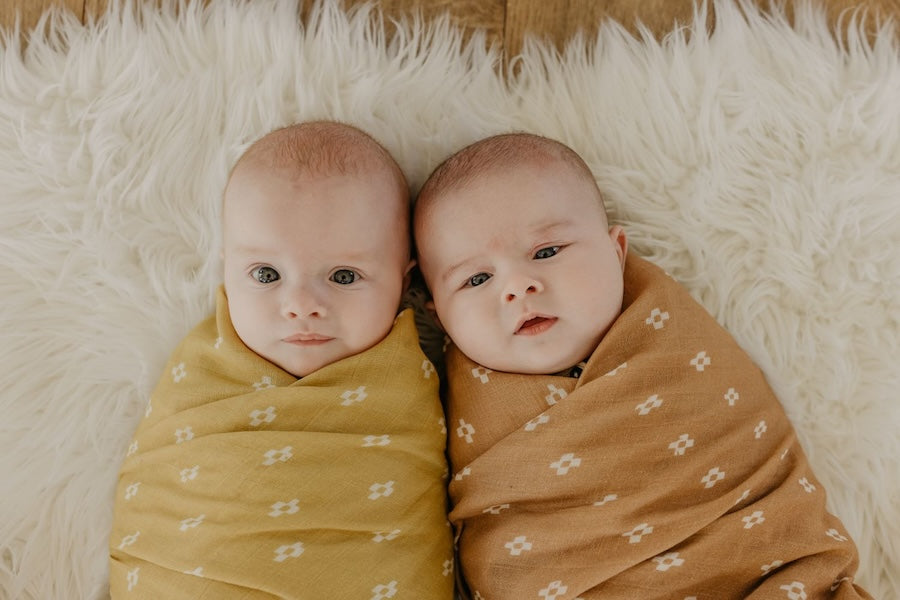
[[536, 326], [317, 341]]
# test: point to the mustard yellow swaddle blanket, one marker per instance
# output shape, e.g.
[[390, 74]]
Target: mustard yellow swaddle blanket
[[244, 482]]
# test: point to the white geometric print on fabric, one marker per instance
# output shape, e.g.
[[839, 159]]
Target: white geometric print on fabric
[[465, 431], [760, 429], [179, 372], [554, 590], [731, 396], [606, 499], [771, 566], [189, 474], [495, 510], [191, 522], [615, 371], [443, 423], [753, 519], [635, 535], [649, 404], [836, 535], [354, 396], [742, 497], [428, 369], [667, 561], [795, 591], [278, 455], [285, 508], [681, 445], [657, 318], [258, 417], [381, 490], [518, 545], [565, 462], [282, 553], [701, 361], [464, 473], [712, 478], [538, 420], [184, 435], [149, 408], [482, 374], [132, 578], [197, 572], [263, 384], [132, 448], [381, 536], [218, 343], [132, 490], [129, 539], [808, 487], [447, 567], [382, 591], [556, 394], [376, 440]]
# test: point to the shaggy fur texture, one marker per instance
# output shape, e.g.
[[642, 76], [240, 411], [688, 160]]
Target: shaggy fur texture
[[759, 165]]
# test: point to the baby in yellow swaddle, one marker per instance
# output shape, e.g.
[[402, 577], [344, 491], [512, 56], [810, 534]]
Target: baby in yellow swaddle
[[294, 446]]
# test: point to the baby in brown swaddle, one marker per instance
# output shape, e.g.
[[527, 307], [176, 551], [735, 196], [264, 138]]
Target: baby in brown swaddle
[[607, 437]]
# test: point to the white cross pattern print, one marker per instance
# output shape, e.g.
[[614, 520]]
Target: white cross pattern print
[[635, 535], [657, 318], [285, 508], [556, 394], [275, 455], [381, 536], [132, 578], [538, 420], [263, 384], [649, 404], [518, 545], [731, 396], [701, 361], [795, 591], [382, 591], [713, 477], [428, 369], [381, 490], [465, 431], [565, 462], [282, 553], [681, 445], [667, 561], [482, 374], [553, 591], [354, 396], [258, 417]]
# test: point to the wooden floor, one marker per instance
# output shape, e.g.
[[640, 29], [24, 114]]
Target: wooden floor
[[505, 21]]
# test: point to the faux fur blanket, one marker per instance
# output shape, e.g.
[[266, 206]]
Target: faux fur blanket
[[243, 481], [758, 164], [668, 468]]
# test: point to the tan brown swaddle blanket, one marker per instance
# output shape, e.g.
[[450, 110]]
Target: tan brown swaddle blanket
[[667, 470]]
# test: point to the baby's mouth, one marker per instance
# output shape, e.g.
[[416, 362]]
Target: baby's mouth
[[536, 325]]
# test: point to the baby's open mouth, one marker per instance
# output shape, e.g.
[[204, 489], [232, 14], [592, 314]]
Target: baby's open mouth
[[536, 325]]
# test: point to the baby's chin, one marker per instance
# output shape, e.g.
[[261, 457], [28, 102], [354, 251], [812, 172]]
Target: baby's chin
[[528, 366]]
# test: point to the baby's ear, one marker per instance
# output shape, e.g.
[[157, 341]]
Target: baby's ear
[[407, 276], [429, 306]]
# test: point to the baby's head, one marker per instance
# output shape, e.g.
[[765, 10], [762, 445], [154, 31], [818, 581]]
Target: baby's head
[[315, 244], [515, 247]]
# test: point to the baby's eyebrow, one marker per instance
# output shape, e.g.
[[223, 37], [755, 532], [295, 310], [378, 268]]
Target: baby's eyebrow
[[449, 271]]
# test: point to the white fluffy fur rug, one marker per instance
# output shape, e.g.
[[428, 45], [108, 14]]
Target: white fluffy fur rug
[[759, 165]]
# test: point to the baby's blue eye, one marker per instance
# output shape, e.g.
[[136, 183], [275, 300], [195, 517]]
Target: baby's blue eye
[[547, 252], [265, 274], [344, 276], [477, 279]]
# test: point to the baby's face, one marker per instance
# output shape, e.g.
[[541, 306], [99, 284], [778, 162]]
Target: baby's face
[[314, 267], [525, 275]]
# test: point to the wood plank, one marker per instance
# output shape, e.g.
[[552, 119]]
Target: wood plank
[[30, 11], [558, 20], [469, 15]]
